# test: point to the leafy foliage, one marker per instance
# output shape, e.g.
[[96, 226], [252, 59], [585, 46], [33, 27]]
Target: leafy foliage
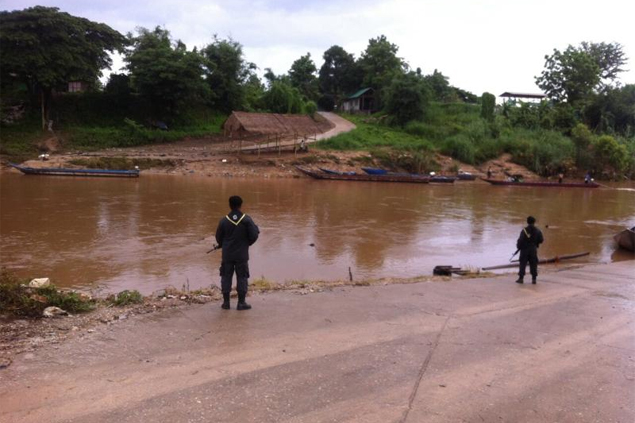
[[407, 97], [282, 98], [302, 77], [165, 72], [380, 65], [227, 74], [339, 75], [488, 103]]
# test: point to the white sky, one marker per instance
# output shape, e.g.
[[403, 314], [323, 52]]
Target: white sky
[[487, 45]]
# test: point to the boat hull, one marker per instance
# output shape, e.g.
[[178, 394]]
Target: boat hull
[[540, 184], [626, 240], [365, 178], [53, 171]]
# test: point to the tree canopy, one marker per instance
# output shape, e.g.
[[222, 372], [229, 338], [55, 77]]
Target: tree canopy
[[302, 76], [46, 48], [165, 72]]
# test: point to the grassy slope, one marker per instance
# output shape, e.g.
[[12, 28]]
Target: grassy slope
[[20, 141], [458, 131]]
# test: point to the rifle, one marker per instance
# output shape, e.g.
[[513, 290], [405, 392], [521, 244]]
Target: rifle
[[513, 255], [214, 248]]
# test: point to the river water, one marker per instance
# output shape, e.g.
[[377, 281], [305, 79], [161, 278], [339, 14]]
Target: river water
[[148, 233]]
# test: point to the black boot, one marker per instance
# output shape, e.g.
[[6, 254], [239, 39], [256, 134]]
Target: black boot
[[520, 280], [225, 305], [533, 280], [242, 305]]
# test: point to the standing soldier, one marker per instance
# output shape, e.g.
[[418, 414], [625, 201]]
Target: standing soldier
[[235, 233], [528, 243]]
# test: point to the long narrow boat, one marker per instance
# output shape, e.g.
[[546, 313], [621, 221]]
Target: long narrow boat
[[626, 239], [336, 172], [60, 171], [466, 176], [555, 259], [365, 178], [433, 179], [541, 184]]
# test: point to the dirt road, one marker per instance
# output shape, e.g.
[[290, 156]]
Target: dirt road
[[472, 350]]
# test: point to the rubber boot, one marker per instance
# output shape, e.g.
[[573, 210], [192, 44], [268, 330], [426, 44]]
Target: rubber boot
[[520, 280], [225, 305], [242, 305]]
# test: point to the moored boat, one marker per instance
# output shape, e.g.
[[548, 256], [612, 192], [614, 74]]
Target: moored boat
[[336, 172], [418, 179], [433, 178], [465, 176], [541, 184], [626, 239], [60, 171]]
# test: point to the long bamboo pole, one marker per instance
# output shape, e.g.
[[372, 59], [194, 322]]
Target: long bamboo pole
[[555, 259]]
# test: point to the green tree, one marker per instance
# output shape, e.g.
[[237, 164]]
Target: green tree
[[282, 98], [254, 91], [440, 86], [339, 75], [573, 75], [610, 153], [164, 72], [380, 65], [227, 73], [407, 98], [46, 48], [582, 137], [488, 104], [118, 84], [302, 76]]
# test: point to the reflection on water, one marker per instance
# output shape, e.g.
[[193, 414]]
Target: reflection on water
[[148, 233]]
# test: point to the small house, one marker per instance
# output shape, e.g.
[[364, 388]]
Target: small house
[[77, 87], [363, 101], [245, 124], [509, 96]]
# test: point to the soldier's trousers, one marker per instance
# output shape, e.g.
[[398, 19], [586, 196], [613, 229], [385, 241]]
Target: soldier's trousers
[[227, 270], [528, 256]]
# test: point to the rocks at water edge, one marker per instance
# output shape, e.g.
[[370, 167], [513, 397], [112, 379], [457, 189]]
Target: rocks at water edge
[[39, 283]]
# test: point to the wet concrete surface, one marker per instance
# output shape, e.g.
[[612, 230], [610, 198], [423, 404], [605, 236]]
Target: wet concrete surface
[[465, 350]]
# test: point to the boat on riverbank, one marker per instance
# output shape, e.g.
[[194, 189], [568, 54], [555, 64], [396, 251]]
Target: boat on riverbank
[[501, 182], [465, 176], [406, 178], [433, 178], [626, 239], [60, 171], [336, 172]]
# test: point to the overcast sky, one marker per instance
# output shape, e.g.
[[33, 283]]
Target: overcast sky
[[487, 45]]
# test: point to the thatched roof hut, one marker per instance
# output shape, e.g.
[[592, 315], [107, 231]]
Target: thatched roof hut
[[244, 124]]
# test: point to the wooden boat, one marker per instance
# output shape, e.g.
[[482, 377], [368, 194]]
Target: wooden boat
[[366, 178], [626, 239], [465, 176], [434, 179], [541, 184], [336, 172], [60, 171]]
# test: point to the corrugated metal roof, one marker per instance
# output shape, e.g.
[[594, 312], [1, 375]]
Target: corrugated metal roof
[[359, 93], [522, 95]]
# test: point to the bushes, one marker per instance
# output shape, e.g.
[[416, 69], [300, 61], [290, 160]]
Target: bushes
[[18, 299], [488, 103], [125, 298], [610, 153], [460, 147]]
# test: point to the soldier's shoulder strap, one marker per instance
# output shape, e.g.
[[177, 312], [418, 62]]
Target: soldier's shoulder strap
[[526, 233], [237, 222]]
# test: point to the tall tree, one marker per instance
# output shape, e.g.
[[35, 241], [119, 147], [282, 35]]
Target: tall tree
[[339, 75], [407, 97], [47, 48], [574, 74], [380, 65], [227, 73], [302, 76], [440, 86], [165, 72]]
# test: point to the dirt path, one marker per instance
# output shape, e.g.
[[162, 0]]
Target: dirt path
[[467, 350], [340, 126]]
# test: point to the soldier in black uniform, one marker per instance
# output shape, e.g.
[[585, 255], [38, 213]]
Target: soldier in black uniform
[[235, 233], [528, 242]]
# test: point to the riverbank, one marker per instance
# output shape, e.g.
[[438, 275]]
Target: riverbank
[[467, 350]]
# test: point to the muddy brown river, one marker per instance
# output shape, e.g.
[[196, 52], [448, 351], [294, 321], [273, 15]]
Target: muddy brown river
[[147, 233]]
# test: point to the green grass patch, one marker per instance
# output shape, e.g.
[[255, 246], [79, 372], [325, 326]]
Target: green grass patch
[[125, 298], [18, 299]]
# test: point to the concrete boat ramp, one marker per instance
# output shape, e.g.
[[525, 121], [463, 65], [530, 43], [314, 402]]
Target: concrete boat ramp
[[479, 350]]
